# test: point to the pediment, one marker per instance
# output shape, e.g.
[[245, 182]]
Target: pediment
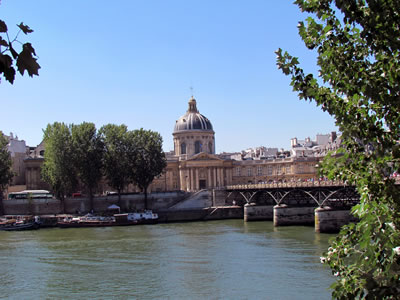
[[204, 156]]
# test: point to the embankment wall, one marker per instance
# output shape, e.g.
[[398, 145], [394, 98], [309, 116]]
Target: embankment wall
[[130, 202]]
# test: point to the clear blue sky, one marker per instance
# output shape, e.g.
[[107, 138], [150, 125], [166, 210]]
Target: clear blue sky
[[132, 62]]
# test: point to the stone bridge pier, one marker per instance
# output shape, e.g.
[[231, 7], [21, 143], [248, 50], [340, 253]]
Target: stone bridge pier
[[330, 220], [254, 212], [285, 215], [327, 206]]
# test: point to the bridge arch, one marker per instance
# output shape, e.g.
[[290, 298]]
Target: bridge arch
[[346, 196], [297, 195]]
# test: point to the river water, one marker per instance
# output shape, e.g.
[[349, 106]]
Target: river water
[[200, 260]]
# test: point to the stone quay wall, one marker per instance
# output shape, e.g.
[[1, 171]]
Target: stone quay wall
[[205, 214], [129, 202]]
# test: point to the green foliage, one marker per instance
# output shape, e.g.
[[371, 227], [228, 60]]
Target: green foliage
[[58, 168], [6, 173], [25, 60], [116, 158], [358, 49], [87, 155], [149, 159], [80, 153]]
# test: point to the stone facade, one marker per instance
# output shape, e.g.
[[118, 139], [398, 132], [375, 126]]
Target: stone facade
[[18, 151]]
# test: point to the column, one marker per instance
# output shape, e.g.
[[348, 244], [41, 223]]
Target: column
[[191, 179], [230, 176], [181, 180], [186, 179], [220, 181], [215, 176], [171, 181], [209, 184], [197, 180]]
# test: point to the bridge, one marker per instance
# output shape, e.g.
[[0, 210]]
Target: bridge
[[315, 193], [324, 204]]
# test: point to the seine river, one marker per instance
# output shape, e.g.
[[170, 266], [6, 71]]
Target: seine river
[[200, 260]]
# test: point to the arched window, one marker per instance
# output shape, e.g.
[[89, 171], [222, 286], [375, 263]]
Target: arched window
[[183, 148], [198, 147], [210, 148]]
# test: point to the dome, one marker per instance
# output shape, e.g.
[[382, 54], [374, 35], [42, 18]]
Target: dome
[[193, 120]]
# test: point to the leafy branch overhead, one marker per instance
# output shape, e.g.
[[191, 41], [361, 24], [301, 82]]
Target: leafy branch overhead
[[25, 60], [358, 55]]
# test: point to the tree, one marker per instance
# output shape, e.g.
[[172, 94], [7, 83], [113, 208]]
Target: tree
[[24, 60], [58, 168], [149, 159], [6, 173], [358, 48], [116, 157], [87, 156]]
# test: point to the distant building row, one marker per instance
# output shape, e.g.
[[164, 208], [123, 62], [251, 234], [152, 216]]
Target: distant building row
[[193, 164]]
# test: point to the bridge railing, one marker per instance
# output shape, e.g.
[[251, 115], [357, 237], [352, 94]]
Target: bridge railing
[[293, 184], [285, 185]]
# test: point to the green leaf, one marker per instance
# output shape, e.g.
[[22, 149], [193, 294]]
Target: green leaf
[[25, 28], [3, 42], [6, 67], [9, 74], [27, 62], [3, 26]]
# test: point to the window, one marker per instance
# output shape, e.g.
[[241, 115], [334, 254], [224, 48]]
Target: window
[[183, 148], [198, 147], [269, 170], [238, 171], [259, 170], [288, 170], [300, 169], [250, 171], [210, 148], [279, 170]]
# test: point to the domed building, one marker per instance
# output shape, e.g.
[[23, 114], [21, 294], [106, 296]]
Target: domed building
[[193, 165], [194, 148], [193, 133]]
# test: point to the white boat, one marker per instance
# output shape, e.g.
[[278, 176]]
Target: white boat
[[145, 217]]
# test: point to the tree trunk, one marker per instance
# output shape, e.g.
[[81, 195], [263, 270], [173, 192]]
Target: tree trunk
[[119, 198], [91, 199], [63, 204], [1, 203], [145, 198]]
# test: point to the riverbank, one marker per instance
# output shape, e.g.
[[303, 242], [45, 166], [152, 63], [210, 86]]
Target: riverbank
[[164, 216]]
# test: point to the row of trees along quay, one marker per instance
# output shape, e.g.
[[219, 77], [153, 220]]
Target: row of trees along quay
[[80, 153], [357, 43]]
